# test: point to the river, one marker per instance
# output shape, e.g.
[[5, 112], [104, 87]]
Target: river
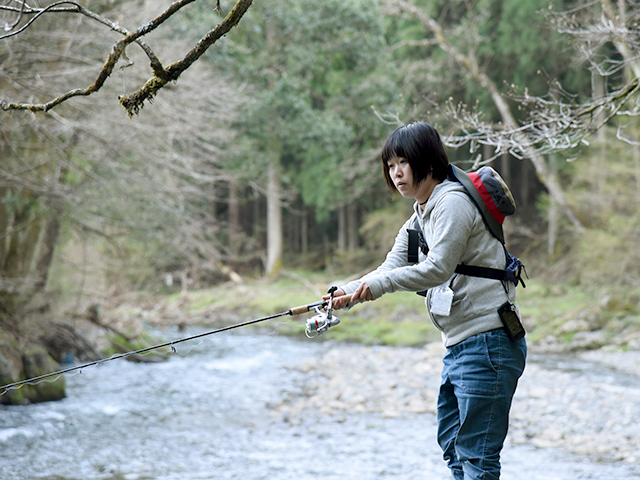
[[210, 412]]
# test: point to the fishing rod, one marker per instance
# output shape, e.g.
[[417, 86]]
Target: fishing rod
[[315, 326]]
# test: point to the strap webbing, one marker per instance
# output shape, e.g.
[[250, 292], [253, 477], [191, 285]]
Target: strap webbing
[[472, 270], [484, 272], [413, 246]]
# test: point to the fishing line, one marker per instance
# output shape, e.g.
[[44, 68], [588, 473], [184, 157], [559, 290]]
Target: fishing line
[[171, 344], [184, 354]]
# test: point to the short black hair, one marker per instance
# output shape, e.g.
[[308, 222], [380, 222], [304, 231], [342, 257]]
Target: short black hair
[[420, 144]]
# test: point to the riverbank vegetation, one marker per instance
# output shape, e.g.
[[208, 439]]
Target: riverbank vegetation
[[558, 317], [260, 159]]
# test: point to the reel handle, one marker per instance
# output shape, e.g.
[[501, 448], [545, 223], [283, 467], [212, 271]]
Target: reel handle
[[307, 308]]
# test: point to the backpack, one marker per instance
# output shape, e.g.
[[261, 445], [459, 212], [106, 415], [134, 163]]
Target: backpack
[[494, 200]]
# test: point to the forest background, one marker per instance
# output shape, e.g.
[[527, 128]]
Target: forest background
[[258, 165]]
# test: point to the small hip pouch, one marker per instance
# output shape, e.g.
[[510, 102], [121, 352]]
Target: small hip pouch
[[511, 322]]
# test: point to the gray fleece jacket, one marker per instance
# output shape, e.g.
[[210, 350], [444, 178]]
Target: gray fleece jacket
[[455, 232]]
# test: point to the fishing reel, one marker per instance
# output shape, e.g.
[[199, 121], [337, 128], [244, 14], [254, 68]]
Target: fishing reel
[[320, 323]]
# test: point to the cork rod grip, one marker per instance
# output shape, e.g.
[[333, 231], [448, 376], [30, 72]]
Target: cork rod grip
[[305, 308]]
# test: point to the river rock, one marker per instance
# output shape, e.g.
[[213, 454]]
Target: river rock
[[552, 408]]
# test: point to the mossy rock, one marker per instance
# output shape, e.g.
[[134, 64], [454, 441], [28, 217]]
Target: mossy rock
[[10, 369], [28, 361], [38, 362], [121, 345]]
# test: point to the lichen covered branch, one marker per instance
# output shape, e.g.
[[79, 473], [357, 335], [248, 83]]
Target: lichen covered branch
[[161, 76], [135, 101]]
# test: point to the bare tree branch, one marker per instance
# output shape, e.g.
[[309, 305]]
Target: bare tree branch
[[161, 76], [135, 101], [488, 134], [617, 26], [555, 123], [20, 11]]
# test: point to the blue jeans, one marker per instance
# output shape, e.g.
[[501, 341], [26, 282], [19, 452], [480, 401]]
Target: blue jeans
[[479, 378]]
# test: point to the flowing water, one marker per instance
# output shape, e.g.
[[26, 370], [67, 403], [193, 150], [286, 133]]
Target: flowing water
[[208, 413]]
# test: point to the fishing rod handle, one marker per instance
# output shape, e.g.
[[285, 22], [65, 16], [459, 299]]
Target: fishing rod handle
[[306, 308]]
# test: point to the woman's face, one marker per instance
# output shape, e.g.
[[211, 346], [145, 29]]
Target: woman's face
[[401, 174]]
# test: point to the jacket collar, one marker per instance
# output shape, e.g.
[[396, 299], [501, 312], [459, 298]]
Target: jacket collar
[[438, 192]]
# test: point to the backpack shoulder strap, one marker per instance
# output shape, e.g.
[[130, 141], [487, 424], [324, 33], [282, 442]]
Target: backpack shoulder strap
[[414, 241], [412, 251]]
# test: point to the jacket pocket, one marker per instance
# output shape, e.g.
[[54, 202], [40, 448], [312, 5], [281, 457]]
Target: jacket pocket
[[433, 317]]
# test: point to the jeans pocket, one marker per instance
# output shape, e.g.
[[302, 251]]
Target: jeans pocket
[[480, 366]]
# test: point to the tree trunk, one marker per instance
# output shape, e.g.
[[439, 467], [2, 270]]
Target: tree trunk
[[304, 232], [352, 226], [619, 19], [552, 225], [274, 211], [214, 202], [342, 228], [48, 245], [234, 218], [597, 160], [27, 239], [505, 171]]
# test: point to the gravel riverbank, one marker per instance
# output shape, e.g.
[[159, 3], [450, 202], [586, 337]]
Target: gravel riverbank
[[585, 403]]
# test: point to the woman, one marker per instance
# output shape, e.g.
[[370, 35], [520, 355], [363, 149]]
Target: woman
[[481, 365]]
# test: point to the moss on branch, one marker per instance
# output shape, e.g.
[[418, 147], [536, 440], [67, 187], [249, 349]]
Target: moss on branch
[[134, 102]]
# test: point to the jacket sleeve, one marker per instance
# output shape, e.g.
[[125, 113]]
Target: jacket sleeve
[[396, 258], [447, 232]]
